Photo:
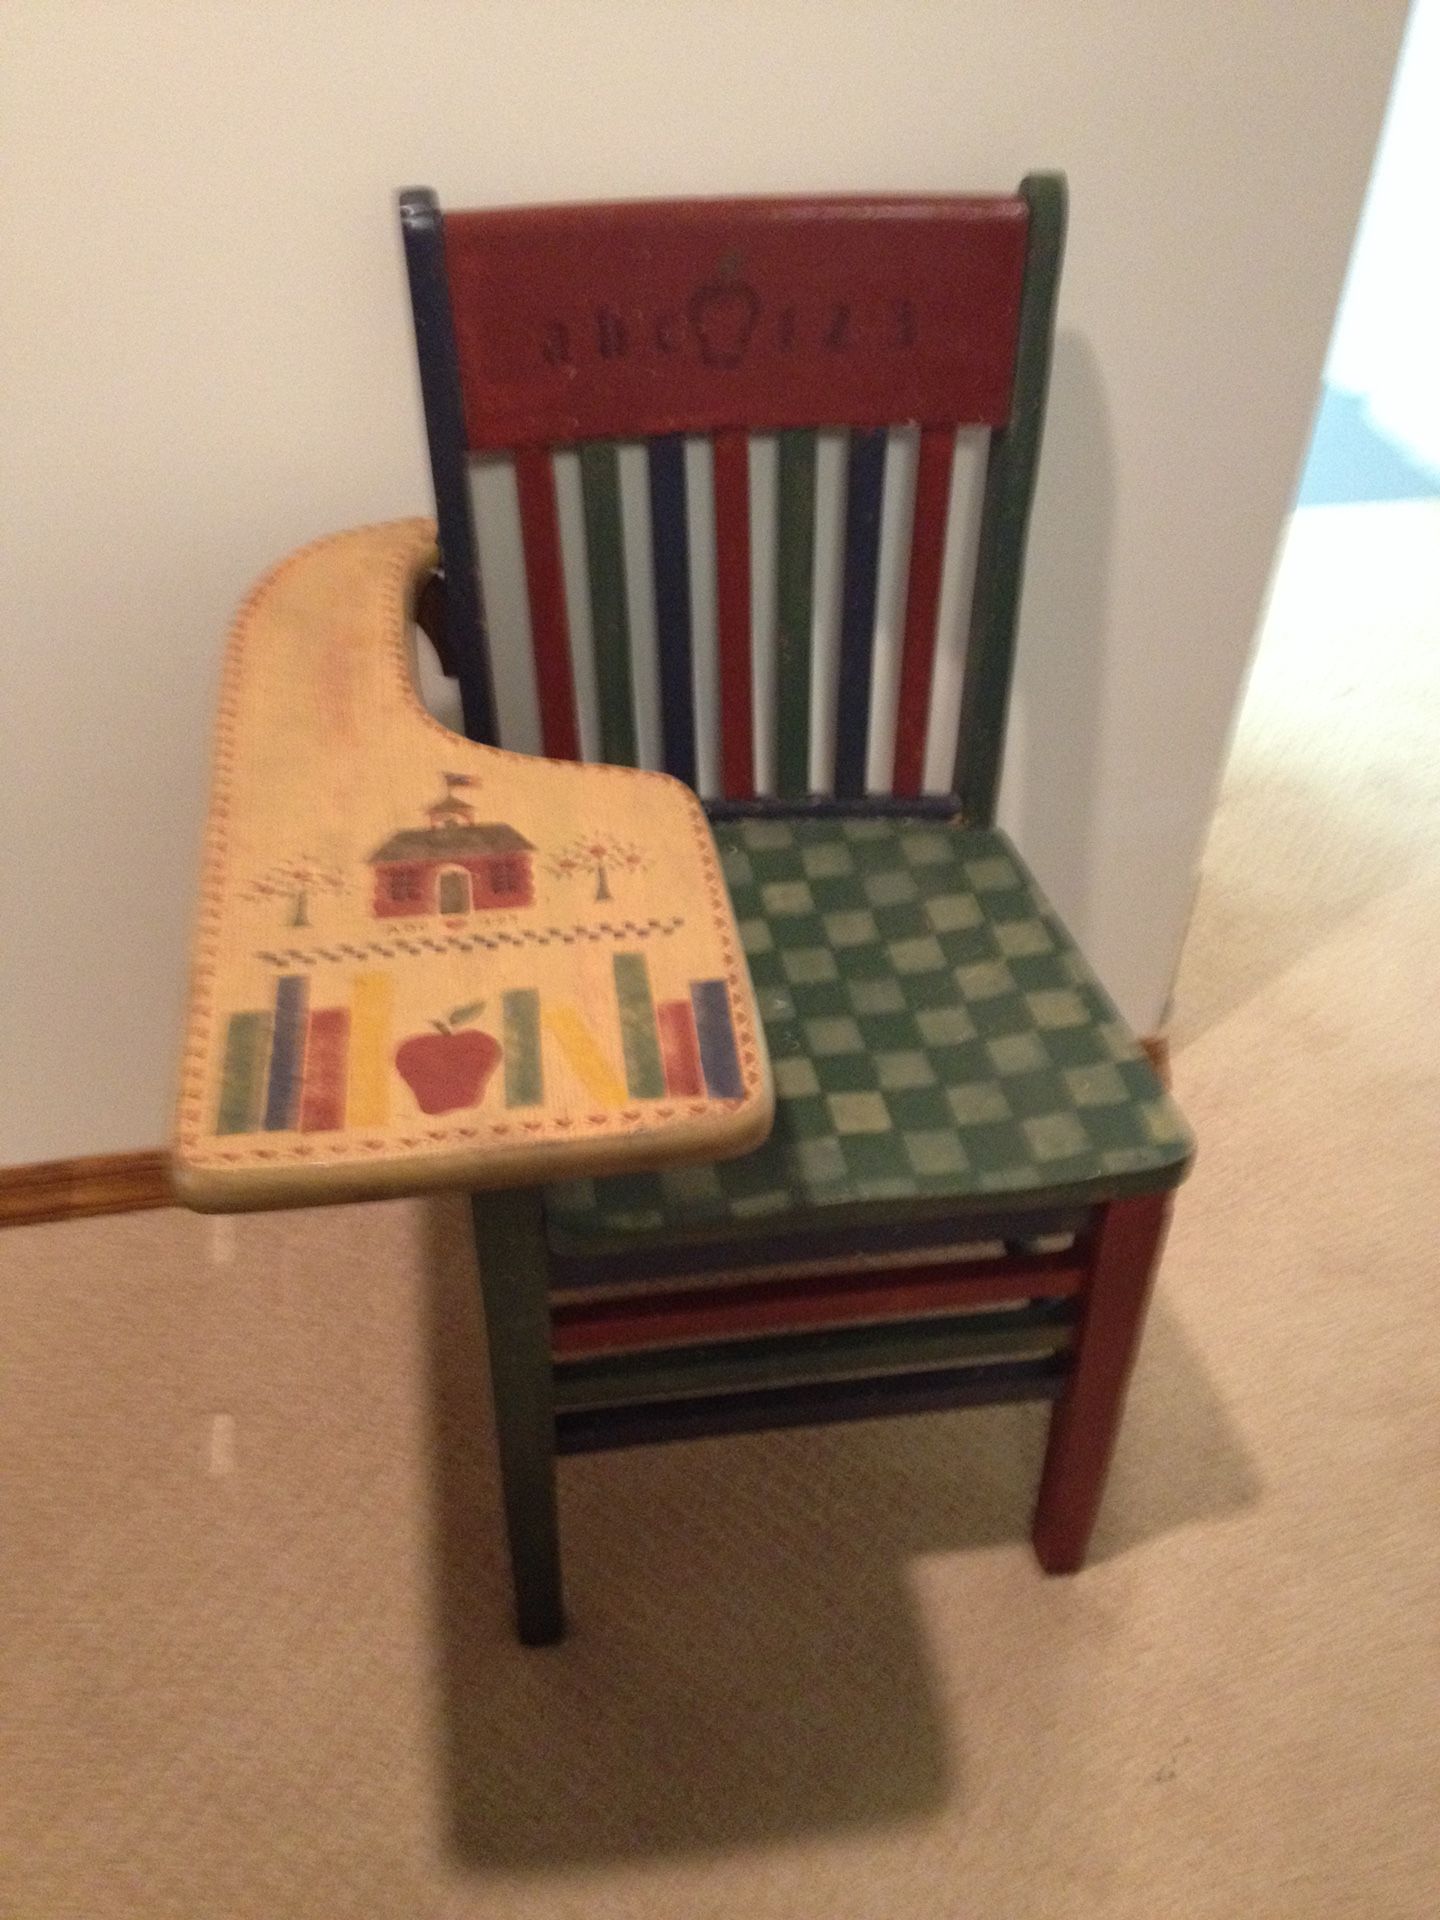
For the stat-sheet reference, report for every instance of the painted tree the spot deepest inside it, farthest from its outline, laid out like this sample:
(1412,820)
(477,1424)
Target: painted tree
(601,855)
(296,881)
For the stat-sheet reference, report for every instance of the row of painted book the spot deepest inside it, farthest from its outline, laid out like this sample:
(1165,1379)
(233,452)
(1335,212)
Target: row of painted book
(316,1069)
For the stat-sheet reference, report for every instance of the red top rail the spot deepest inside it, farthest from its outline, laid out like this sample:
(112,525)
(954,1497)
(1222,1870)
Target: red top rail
(653,317)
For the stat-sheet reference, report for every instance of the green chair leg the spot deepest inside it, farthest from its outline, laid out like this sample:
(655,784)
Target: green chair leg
(514,1284)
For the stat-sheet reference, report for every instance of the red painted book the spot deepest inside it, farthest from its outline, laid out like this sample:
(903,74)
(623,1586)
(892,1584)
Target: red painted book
(322,1101)
(679,1047)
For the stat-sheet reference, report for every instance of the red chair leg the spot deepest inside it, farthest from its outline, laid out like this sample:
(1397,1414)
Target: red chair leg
(1087,1415)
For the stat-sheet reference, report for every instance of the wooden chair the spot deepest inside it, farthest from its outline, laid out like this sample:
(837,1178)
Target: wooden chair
(965,1188)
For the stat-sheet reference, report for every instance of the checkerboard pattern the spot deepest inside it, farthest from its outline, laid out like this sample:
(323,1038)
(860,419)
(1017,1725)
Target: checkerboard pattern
(933,1032)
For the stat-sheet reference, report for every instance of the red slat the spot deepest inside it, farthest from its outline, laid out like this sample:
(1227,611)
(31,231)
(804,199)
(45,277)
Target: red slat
(922,605)
(680,1047)
(818,1300)
(732,614)
(622,321)
(549,621)
(322,1100)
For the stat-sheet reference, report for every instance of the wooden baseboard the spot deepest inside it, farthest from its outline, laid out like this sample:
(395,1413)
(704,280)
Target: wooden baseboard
(127,1182)
(70,1189)
(1157,1051)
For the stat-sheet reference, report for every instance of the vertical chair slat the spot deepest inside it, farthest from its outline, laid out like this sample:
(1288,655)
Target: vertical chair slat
(549,621)
(609,613)
(420,223)
(935,464)
(670,546)
(795,607)
(732,613)
(864,489)
(1005,515)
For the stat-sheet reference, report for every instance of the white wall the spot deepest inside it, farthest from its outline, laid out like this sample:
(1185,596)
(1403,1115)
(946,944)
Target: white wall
(207,361)
(1389,321)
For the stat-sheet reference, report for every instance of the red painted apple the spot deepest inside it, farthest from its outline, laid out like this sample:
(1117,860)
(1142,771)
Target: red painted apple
(447,1069)
(723,314)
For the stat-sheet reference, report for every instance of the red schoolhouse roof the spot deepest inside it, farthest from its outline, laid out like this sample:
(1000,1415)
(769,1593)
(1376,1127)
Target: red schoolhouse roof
(452,843)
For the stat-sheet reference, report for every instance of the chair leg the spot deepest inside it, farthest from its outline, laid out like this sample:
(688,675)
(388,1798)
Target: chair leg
(1087,1415)
(514,1285)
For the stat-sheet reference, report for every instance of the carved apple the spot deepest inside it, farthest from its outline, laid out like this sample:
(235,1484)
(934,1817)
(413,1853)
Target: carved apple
(449,1068)
(723,315)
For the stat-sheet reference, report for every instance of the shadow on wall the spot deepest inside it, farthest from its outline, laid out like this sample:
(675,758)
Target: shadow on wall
(1052,794)
(747,1662)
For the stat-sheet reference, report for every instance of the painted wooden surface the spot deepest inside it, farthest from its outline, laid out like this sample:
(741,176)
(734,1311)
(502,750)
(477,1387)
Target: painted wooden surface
(934,465)
(832,1353)
(468,642)
(790,1305)
(1010,476)
(670,549)
(425,963)
(948,1071)
(651,317)
(545,592)
(794,610)
(864,492)
(732,614)
(646,321)
(906,1229)
(609,607)
(1086,1421)
(813,1403)
(936,1037)
(510,1257)
(73,1189)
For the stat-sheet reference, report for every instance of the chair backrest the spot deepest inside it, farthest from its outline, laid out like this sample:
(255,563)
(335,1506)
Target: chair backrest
(585,326)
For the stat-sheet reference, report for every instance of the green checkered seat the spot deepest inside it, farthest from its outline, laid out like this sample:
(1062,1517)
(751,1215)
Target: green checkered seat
(936,1040)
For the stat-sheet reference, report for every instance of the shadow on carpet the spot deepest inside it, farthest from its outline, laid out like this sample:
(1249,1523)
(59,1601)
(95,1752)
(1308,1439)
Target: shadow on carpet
(747,1660)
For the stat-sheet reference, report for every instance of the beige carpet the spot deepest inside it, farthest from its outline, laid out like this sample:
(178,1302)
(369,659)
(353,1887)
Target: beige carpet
(253,1619)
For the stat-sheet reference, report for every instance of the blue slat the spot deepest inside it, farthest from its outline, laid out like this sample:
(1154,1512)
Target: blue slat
(811,1405)
(828,806)
(465,628)
(864,488)
(718,1058)
(670,543)
(287,1056)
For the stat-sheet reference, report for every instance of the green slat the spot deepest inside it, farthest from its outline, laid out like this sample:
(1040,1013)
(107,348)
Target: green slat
(524,1074)
(675,1373)
(609,611)
(795,602)
(644,1073)
(1005,514)
(242,1077)
(510,1254)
